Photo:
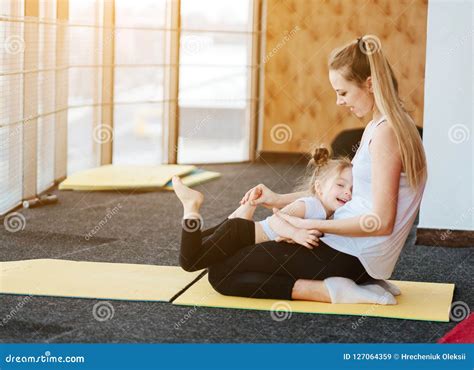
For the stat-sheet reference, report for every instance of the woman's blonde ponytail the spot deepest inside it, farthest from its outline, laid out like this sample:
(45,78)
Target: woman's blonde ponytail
(364,58)
(388,103)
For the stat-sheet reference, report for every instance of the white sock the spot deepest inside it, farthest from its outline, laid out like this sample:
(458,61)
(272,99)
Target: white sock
(385,294)
(343,290)
(392,288)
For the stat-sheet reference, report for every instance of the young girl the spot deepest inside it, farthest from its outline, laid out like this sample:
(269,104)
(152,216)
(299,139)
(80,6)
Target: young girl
(330,187)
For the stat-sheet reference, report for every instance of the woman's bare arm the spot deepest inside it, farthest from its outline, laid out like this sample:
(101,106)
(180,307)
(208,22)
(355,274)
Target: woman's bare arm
(283,228)
(386,169)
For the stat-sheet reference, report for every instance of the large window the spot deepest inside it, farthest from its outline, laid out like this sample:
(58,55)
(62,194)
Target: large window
(11,107)
(214,92)
(90,82)
(85,82)
(138,74)
(46,94)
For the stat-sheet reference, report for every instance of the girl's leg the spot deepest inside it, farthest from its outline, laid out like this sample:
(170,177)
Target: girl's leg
(191,199)
(211,230)
(245,211)
(284,271)
(221,241)
(197,253)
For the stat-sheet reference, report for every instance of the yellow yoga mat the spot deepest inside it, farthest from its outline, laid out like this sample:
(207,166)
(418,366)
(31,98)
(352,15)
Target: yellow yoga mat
(101,280)
(115,177)
(418,301)
(195,177)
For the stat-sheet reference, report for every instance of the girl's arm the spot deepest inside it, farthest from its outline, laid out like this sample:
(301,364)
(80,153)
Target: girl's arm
(288,231)
(286,199)
(282,227)
(386,169)
(308,238)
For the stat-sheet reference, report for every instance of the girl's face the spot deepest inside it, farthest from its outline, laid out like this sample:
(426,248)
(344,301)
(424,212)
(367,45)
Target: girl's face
(359,99)
(337,191)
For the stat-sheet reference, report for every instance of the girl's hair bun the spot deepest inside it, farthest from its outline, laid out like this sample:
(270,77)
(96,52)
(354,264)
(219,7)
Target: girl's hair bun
(320,157)
(322,168)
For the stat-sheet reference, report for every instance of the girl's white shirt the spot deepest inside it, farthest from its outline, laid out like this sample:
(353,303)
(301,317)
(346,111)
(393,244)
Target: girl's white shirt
(313,210)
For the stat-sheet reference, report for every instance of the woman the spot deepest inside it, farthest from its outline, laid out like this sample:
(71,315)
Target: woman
(366,235)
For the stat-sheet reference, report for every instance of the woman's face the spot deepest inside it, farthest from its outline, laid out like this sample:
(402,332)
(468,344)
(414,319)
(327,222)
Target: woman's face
(359,100)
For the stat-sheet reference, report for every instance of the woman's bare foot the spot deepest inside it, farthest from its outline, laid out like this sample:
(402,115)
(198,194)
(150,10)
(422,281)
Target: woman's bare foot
(191,199)
(244,211)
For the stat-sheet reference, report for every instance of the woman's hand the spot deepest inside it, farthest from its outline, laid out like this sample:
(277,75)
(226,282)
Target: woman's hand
(260,195)
(308,238)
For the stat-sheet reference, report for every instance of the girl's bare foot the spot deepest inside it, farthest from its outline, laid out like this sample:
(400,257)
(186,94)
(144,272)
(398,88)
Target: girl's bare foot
(191,199)
(244,211)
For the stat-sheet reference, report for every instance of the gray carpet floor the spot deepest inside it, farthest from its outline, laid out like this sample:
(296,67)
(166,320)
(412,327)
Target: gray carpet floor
(146,230)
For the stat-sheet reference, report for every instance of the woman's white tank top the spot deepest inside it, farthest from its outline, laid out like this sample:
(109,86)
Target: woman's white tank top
(378,254)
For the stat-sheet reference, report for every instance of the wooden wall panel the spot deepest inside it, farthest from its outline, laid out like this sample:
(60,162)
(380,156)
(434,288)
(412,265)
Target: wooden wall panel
(299,103)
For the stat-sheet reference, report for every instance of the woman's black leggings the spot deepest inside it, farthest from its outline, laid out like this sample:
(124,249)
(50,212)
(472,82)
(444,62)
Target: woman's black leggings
(239,267)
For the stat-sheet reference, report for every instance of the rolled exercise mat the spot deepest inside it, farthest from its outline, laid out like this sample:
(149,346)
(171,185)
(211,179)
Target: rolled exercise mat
(101,280)
(116,177)
(418,301)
